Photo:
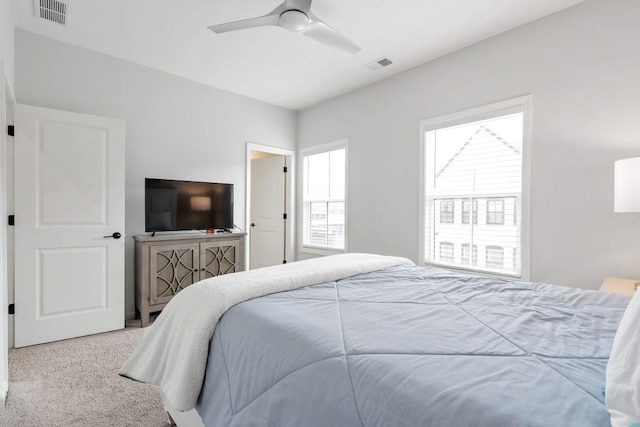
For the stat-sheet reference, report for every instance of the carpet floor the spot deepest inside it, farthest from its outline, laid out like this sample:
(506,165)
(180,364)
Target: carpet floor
(76,383)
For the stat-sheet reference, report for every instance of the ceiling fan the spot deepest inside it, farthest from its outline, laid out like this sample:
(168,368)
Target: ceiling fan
(296,16)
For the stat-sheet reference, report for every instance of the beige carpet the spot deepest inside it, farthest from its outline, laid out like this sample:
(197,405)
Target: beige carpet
(76,383)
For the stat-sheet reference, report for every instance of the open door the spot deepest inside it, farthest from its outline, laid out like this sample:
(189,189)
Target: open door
(69,225)
(268,206)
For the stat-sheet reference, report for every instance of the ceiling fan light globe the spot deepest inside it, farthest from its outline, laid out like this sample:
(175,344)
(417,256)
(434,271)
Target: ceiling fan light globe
(294,20)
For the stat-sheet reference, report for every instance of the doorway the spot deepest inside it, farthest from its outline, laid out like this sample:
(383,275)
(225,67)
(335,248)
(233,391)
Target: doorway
(269,215)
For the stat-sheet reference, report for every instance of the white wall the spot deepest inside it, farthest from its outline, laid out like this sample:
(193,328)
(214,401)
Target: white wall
(583,69)
(6,40)
(175,128)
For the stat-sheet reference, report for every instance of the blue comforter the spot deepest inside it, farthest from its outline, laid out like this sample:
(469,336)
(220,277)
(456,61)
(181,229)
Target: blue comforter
(411,346)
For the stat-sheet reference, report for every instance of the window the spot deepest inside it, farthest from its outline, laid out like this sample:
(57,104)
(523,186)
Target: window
(469,253)
(475,158)
(446,251)
(475,211)
(495,257)
(466,211)
(465,253)
(323,198)
(446,211)
(467,206)
(495,211)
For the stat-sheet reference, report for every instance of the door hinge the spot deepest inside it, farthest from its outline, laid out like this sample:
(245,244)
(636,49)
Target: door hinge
(284,216)
(284,261)
(11,130)
(12,308)
(285,169)
(12,220)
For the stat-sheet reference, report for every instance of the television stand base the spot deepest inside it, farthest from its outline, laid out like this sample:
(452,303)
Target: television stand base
(166,264)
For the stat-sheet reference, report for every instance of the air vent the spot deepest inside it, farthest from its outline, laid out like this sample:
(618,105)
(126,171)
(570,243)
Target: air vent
(379,63)
(52,10)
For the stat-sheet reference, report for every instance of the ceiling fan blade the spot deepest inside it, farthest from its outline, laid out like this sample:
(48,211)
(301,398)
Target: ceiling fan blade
(260,21)
(301,5)
(323,33)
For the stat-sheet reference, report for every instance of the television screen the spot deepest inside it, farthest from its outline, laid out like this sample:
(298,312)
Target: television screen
(187,205)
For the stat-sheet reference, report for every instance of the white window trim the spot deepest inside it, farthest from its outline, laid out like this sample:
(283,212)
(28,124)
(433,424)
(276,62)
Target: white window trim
(309,151)
(478,113)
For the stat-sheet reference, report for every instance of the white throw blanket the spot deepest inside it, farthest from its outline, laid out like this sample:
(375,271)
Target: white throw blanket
(173,353)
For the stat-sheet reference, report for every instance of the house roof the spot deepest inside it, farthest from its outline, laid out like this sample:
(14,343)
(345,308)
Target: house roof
(481,129)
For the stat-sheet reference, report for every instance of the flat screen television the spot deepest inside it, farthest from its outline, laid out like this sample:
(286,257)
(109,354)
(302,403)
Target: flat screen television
(187,205)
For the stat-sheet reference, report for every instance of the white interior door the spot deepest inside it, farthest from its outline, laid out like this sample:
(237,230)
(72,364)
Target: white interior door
(69,225)
(267,232)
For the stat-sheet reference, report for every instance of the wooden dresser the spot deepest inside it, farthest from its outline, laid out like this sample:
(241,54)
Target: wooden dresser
(169,263)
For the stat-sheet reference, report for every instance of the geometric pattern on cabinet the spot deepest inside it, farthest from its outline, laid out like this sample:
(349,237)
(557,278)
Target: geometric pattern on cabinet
(165,265)
(218,258)
(172,270)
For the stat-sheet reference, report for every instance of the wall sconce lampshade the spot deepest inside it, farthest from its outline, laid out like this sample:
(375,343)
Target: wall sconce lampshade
(201,203)
(627,185)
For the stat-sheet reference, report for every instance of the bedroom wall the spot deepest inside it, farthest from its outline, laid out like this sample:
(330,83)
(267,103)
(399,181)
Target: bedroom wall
(581,67)
(175,128)
(7,29)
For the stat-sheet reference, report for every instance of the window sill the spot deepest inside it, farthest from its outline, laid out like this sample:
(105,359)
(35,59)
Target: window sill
(472,271)
(321,251)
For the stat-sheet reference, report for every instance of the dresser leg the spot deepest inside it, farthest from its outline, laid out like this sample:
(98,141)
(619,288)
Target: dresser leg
(144,318)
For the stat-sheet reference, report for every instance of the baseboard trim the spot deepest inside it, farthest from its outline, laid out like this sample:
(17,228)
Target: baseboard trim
(130,315)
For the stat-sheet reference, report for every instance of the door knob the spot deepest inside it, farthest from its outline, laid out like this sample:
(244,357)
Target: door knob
(115,235)
(252,224)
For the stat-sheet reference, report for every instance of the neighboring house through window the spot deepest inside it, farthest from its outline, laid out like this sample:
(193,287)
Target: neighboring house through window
(447,211)
(465,254)
(446,252)
(466,211)
(495,257)
(469,254)
(495,211)
(323,197)
(474,159)
(474,203)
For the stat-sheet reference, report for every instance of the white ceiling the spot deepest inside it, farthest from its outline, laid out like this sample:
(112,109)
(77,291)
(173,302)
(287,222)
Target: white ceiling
(272,64)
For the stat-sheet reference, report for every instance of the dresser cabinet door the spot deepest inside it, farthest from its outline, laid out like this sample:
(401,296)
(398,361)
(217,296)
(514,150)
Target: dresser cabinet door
(219,257)
(172,268)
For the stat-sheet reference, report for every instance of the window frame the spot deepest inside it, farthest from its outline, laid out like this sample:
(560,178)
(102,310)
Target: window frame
(522,103)
(309,151)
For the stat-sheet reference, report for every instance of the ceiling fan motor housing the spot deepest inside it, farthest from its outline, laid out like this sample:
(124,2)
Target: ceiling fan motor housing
(294,20)
(295,16)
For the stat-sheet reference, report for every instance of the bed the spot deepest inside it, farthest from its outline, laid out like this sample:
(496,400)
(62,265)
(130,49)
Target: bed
(404,346)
